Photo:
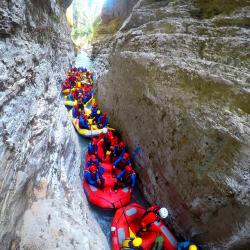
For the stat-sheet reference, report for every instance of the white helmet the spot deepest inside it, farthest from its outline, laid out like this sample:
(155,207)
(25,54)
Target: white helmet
(105,130)
(163,212)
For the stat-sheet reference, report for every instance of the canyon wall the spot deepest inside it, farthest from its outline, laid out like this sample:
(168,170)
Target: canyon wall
(175,80)
(42,205)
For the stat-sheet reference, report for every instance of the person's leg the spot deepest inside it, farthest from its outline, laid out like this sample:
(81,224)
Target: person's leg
(102,182)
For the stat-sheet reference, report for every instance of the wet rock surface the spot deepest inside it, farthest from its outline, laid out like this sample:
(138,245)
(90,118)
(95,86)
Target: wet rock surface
(42,204)
(175,80)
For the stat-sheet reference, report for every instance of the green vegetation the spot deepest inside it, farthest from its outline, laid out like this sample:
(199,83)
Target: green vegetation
(84,19)
(54,18)
(107,29)
(82,31)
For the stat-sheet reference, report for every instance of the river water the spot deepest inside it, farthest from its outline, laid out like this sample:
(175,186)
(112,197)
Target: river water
(103,217)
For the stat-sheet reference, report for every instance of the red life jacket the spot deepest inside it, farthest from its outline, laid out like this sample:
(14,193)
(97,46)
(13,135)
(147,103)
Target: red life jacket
(114,141)
(150,216)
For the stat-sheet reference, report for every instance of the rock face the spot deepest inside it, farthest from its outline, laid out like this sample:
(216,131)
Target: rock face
(175,80)
(41,200)
(116,9)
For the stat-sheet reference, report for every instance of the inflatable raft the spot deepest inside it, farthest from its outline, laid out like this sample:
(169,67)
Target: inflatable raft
(94,131)
(86,82)
(128,218)
(70,103)
(107,198)
(66,91)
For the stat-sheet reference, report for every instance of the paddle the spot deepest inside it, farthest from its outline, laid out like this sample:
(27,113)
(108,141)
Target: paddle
(131,233)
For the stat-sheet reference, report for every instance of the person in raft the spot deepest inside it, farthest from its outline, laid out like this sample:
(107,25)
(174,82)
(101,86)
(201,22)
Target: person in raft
(102,121)
(154,213)
(97,116)
(186,245)
(119,150)
(70,97)
(121,162)
(87,96)
(80,104)
(92,161)
(83,122)
(132,243)
(94,110)
(66,85)
(75,111)
(107,142)
(92,147)
(93,176)
(126,178)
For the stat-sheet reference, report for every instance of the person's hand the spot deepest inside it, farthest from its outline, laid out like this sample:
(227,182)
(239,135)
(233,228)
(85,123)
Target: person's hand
(113,166)
(98,182)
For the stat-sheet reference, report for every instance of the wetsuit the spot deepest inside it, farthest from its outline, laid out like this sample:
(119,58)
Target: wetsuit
(127,179)
(83,123)
(92,149)
(121,162)
(75,112)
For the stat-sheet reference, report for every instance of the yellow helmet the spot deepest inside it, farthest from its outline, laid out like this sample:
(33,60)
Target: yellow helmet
(192,247)
(98,112)
(137,242)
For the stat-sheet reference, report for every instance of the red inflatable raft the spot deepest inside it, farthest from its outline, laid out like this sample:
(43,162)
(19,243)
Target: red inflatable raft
(107,197)
(129,217)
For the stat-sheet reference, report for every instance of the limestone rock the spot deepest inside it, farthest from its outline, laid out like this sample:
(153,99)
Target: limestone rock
(42,205)
(175,80)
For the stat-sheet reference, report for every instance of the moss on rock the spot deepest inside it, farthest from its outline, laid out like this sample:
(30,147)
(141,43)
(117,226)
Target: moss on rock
(209,9)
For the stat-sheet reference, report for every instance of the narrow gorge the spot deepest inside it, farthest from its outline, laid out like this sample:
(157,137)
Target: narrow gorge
(174,78)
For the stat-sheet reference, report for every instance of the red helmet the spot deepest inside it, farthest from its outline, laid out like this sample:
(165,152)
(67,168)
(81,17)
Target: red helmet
(128,169)
(85,116)
(126,155)
(92,157)
(122,144)
(75,106)
(92,168)
(94,140)
(104,114)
